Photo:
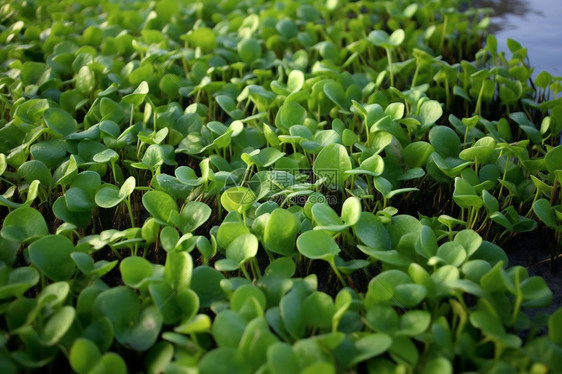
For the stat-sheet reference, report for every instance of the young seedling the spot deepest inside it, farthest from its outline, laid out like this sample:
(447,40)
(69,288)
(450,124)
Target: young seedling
(381,39)
(319,245)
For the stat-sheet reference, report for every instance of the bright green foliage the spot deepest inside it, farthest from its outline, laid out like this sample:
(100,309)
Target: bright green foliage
(280,187)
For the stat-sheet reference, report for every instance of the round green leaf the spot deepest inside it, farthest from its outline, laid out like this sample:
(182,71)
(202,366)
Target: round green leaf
(470,240)
(137,97)
(249,50)
(241,249)
(85,80)
(334,91)
(295,81)
(319,309)
(415,154)
(62,212)
(161,206)
(414,322)
(134,270)
(23,225)
(169,238)
(142,335)
(224,360)
(332,163)
(159,356)
(430,112)
(281,359)
(371,231)
(110,363)
(204,38)
(445,141)
(280,232)
(291,309)
(107,155)
(34,169)
(326,217)
(84,355)
(193,215)
(351,210)
(58,325)
(51,255)
(382,318)
(237,199)
(18,281)
(100,332)
(287,28)
(438,365)
(370,346)
(451,253)
(290,114)
(544,212)
(78,200)
(178,269)
(205,281)
(317,244)
(120,305)
(60,121)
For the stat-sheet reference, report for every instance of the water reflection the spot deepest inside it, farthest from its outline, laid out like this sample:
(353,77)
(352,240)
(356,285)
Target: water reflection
(533,23)
(504,9)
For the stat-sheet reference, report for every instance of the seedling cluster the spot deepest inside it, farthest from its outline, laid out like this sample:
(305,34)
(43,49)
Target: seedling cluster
(253,186)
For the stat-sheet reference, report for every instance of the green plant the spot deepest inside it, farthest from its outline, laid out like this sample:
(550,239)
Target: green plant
(226,186)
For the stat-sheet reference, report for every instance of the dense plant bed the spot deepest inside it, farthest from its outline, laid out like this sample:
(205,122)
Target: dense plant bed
(275,187)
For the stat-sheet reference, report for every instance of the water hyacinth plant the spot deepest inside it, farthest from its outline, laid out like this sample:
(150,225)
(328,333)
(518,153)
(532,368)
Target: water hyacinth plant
(273,187)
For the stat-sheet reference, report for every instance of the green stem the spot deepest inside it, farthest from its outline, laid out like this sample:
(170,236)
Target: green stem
(479,101)
(255,268)
(416,72)
(389,58)
(368,131)
(503,176)
(131,117)
(518,298)
(442,42)
(130,210)
(447,93)
(336,271)
(243,268)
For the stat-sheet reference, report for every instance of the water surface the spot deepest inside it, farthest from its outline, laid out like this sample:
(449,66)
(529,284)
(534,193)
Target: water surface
(535,24)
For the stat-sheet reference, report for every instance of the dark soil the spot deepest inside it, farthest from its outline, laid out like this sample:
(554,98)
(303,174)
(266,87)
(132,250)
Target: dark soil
(537,252)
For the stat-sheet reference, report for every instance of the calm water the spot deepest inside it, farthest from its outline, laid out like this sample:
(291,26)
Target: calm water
(536,24)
